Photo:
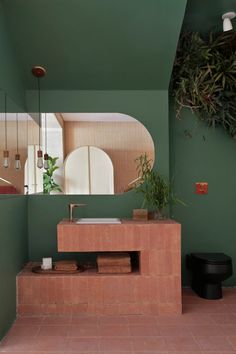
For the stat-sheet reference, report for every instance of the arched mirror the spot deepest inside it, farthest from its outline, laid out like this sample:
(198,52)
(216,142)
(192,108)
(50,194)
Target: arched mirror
(120,137)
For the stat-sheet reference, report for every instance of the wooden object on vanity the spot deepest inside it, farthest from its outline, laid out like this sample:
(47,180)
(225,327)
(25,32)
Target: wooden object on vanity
(140,214)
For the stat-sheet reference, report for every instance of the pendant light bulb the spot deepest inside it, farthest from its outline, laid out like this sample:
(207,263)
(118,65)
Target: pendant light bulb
(6,160)
(17,162)
(39,72)
(45,164)
(39,159)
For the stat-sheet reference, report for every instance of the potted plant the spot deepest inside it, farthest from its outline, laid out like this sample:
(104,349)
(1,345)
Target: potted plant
(156,189)
(49,185)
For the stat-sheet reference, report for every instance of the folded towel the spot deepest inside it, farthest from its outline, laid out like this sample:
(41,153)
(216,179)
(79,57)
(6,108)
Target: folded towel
(114,269)
(66,265)
(65,268)
(114,259)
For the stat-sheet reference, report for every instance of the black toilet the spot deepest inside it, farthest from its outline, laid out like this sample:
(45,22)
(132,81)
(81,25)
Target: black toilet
(208,271)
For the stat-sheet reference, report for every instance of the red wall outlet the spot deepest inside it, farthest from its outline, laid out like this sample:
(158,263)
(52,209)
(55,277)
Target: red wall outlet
(201,187)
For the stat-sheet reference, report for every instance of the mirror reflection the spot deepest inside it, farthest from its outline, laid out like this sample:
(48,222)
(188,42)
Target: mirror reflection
(89,153)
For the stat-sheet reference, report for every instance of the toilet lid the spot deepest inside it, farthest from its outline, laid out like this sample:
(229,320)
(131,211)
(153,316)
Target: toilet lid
(212,258)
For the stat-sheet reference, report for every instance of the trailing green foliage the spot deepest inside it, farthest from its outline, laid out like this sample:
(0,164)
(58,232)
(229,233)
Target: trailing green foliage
(49,184)
(156,190)
(204,78)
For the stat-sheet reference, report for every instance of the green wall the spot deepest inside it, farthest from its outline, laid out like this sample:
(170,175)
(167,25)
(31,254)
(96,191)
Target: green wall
(13,211)
(150,107)
(10,77)
(208,221)
(13,254)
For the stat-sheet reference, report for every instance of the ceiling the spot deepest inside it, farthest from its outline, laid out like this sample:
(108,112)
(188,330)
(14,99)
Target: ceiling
(96,44)
(97,117)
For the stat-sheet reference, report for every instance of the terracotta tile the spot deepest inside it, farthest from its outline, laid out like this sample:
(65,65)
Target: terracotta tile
(232,341)
(17,343)
(82,344)
(111,345)
(227,318)
(46,352)
(181,344)
(215,352)
(10,352)
(30,321)
(173,331)
(132,309)
(53,331)
(150,352)
(144,330)
(215,343)
(50,344)
(84,319)
(231,307)
(113,330)
(83,331)
(170,309)
(56,320)
(144,262)
(141,320)
(228,329)
(202,330)
(117,320)
(24,330)
(149,344)
(206,308)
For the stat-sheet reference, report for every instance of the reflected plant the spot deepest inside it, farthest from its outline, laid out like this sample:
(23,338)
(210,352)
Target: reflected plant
(49,185)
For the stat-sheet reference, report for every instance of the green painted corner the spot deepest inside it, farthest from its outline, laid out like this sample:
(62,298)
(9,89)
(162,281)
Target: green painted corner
(208,221)
(13,255)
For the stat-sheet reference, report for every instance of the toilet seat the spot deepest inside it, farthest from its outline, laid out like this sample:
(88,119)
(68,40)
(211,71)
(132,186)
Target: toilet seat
(212,258)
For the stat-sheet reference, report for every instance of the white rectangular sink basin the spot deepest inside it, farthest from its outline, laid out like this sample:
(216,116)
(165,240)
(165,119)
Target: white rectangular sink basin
(98,221)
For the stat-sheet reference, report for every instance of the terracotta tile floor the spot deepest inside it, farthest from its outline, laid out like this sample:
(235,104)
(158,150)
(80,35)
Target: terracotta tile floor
(205,327)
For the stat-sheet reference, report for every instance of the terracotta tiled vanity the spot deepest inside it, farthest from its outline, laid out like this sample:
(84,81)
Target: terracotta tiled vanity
(153,288)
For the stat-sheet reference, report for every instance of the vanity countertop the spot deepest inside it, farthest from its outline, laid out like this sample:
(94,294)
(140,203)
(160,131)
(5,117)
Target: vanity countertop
(65,222)
(130,235)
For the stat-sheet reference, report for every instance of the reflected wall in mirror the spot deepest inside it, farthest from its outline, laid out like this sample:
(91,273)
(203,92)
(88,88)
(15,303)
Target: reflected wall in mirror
(12,181)
(120,136)
(82,144)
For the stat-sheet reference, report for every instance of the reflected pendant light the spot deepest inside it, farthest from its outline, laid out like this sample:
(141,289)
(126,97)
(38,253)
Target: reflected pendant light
(6,160)
(39,72)
(17,155)
(45,156)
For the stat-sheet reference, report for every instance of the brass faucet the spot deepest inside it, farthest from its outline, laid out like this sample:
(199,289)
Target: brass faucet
(71,208)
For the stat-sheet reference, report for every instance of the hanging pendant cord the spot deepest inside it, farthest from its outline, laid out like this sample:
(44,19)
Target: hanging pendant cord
(46,133)
(5,121)
(39,114)
(17,130)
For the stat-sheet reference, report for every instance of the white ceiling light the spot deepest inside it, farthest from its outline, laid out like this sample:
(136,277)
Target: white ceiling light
(227,17)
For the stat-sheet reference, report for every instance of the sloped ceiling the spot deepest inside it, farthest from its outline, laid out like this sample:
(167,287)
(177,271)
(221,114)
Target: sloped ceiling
(96,44)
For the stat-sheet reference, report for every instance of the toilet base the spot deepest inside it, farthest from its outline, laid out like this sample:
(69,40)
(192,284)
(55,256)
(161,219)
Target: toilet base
(207,290)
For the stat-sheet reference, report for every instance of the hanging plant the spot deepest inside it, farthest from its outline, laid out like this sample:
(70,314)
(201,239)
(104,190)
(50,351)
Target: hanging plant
(204,78)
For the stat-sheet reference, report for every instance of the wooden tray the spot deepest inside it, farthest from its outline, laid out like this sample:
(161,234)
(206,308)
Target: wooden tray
(39,270)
